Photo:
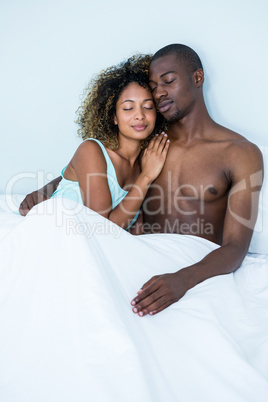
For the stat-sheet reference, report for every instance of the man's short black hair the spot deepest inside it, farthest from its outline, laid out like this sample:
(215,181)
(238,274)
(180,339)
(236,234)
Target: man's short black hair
(184,54)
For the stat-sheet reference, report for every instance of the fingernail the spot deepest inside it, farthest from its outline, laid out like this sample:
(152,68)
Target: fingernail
(168,140)
(140,313)
(135,310)
(165,135)
(163,132)
(133,303)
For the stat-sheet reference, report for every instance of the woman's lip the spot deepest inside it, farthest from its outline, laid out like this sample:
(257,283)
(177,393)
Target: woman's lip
(164,106)
(139,128)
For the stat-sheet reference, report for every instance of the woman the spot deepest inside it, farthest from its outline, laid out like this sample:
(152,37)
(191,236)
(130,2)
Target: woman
(118,116)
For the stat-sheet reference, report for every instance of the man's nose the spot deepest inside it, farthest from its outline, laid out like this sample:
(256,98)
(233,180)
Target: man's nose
(159,92)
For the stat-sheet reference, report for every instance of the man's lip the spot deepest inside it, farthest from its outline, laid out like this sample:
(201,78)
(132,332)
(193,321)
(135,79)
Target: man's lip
(164,106)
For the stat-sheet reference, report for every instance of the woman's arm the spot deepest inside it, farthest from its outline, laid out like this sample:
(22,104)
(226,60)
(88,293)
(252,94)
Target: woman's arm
(90,168)
(137,228)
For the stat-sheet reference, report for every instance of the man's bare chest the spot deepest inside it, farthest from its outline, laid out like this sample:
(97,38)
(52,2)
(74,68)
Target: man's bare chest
(192,176)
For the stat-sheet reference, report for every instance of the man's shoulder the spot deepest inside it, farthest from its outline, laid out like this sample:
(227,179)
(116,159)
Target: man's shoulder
(237,144)
(239,154)
(241,146)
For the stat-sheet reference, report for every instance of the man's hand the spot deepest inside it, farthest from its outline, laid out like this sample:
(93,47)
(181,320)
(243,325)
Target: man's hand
(31,200)
(38,196)
(160,292)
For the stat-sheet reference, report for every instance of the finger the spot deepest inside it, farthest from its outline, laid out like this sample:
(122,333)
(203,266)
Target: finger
(145,291)
(149,301)
(149,282)
(41,196)
(23,209)
(165,148)
(163,143)
(148,296)
(30,201)
(161,308)
(152,142)
(25,204)
(159,305)
(144,153)
(157,140)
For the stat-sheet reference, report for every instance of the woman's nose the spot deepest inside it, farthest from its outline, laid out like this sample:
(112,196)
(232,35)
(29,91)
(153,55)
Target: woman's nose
(140,114)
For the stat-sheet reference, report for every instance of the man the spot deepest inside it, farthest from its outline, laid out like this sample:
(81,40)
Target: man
(207,180)
(205,188)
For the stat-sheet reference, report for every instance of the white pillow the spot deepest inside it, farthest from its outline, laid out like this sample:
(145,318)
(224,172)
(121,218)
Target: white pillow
(259,241)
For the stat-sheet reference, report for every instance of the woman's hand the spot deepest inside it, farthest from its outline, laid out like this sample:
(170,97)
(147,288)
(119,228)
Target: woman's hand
(152,163)
(154,156)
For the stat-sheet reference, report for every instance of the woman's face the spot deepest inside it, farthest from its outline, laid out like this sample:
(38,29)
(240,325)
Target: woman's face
(135,112)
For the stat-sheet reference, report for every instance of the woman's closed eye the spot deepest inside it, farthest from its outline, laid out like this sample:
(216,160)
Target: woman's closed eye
(146,106)
(149,106)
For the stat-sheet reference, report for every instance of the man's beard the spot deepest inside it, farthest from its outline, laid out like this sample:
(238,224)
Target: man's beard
(176,116)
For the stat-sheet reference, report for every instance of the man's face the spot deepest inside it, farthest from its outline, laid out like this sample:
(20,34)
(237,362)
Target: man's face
(172,87)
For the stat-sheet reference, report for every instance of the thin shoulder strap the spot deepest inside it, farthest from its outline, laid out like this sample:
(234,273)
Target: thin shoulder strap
(110,165)
(111,173)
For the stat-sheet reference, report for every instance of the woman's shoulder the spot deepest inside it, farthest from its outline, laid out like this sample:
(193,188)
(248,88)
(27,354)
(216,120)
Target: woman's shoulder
(90,153)
(91,143)
(92,146)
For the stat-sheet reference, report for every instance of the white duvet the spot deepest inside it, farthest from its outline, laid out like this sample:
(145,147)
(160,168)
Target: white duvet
(67,331)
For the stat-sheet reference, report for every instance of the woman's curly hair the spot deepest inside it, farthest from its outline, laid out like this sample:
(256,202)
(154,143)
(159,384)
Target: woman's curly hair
(96,114)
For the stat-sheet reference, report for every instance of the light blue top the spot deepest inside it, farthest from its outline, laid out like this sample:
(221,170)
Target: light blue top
(71,190)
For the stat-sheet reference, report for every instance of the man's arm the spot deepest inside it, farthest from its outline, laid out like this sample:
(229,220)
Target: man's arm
(38,196)
(246,176)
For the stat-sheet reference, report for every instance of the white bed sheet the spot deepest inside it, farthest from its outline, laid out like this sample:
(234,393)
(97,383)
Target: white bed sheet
(68,333)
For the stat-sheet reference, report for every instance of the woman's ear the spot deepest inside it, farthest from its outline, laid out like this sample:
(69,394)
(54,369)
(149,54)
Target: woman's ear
(115,120)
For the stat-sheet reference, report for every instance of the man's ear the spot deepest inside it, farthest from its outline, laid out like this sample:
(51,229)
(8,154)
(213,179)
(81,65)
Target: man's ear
(199,77)
(115,120)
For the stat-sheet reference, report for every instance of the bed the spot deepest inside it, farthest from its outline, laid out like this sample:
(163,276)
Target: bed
(67,332)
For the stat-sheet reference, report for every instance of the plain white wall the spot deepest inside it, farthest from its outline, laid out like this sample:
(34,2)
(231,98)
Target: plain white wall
(51,48)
